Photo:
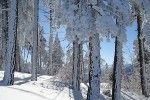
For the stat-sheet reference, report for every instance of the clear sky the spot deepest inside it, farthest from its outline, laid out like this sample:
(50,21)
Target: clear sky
(107,48)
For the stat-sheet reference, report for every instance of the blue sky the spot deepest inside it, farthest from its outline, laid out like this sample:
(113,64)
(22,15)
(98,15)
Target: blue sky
(107,48)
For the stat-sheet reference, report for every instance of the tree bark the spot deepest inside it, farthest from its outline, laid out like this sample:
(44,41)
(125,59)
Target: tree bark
(4,29)
(35,42)
(81,62)
(50,62)
(10,51)
(94,70)
(117,76)
(76,65)
(94,57)
(17,48)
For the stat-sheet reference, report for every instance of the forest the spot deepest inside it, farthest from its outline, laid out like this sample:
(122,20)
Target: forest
(54,50)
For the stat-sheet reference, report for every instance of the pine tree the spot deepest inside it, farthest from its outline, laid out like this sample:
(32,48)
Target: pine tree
(138,8)
(57,55)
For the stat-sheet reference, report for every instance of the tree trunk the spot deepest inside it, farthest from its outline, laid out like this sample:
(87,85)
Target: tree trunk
(81,62)
(141,58)
(17,57)
(117,76)
(94,57)
(50,63)
(76,65)
(35,43)
(1,54)
(10,52)
(4,28)
(40,63)
(94,70)
(17,48)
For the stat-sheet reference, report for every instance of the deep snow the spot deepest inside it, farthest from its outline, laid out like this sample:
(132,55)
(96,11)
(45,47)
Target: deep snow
(49,88)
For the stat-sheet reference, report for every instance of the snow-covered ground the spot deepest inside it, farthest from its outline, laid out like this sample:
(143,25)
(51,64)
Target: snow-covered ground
(48,88)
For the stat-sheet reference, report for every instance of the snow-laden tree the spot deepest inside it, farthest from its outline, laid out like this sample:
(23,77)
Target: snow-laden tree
(25,28)
(57,54)
(54,11)
(35,41)
(141,7)
(25,21)
(121,11)
(54,17)
(11,43)
(105,26)
(146,44)
(146,22)
(78,13)
(73,33)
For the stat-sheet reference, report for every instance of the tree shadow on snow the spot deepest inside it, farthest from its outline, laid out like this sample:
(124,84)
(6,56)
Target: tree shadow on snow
(19,81)
(77,95)
(22,81)
(1,83)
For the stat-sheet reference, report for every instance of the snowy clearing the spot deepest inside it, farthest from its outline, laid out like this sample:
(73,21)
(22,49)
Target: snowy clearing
(48,88)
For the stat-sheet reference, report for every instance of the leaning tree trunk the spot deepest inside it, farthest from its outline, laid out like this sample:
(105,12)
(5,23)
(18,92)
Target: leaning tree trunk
(117,76)
(10,52)
(35,42)
(144,83)
(94,70)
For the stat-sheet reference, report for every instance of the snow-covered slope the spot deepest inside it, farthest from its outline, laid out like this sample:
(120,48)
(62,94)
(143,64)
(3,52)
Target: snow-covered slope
(46,88)
(49,88)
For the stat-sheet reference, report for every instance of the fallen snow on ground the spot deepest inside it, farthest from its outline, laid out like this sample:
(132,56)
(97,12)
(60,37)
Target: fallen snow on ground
(46,88)
(49,88)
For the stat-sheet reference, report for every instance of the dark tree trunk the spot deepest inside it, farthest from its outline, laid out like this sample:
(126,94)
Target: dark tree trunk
(117,69)
(141,57)
(17,48)
(76,65)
